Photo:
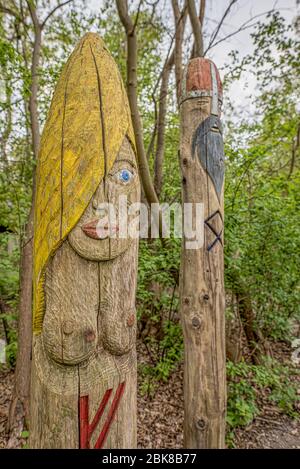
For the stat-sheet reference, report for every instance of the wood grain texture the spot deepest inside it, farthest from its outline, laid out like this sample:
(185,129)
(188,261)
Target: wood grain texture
(87,347)
(85,321)
(87,121)
(202,284)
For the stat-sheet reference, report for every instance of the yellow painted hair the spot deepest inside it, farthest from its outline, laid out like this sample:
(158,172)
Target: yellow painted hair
(88,119)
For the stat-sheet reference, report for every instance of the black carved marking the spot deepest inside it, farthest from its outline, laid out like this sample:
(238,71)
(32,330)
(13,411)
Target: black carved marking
(208,142)
(218,235)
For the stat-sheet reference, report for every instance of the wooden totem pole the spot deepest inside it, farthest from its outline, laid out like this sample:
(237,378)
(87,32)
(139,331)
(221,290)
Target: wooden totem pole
(202,282)
(83,385)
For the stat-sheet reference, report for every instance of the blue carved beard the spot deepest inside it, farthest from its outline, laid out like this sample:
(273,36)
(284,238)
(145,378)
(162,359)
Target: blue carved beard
(208,142)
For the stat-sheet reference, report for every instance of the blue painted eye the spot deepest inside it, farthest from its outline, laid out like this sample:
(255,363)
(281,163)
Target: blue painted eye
(125,176)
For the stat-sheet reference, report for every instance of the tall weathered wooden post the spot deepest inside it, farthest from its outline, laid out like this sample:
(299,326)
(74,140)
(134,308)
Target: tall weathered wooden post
(83,387)
(202,283)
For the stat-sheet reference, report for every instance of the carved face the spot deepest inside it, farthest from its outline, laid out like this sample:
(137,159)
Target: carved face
(84,312)
(208,142)
(97,236)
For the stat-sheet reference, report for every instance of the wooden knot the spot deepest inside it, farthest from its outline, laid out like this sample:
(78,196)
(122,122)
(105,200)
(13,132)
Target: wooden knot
(206,297)
(196,323)
(201,424)
(186,301)
(67,327)
(89,335)
(130,320)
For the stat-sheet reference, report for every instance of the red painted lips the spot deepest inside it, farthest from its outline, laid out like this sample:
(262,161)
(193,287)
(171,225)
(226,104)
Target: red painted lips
(99,229)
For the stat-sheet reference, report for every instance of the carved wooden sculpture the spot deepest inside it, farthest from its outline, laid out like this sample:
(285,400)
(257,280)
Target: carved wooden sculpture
(83,388)
(202,283)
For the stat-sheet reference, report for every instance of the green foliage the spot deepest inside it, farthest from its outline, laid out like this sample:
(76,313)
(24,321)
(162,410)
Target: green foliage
(16,158)
(9,273)
(157,302)
(261,196)
(248,383)
(157,265)
(163,367)
(170,351)
(9,283)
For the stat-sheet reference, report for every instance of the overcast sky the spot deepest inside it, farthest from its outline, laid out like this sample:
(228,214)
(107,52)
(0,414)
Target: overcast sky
(242,11)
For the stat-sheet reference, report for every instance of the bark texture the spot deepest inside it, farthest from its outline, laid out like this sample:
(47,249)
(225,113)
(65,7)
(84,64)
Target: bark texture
(202,282)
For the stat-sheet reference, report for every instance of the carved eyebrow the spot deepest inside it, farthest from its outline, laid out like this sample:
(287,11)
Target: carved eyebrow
(126,160)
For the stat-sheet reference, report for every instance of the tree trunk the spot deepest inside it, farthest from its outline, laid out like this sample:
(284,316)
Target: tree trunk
(130,29)
(202,295)
(161,126)
(180,18)
(196,26)
(19,407)
(255,340)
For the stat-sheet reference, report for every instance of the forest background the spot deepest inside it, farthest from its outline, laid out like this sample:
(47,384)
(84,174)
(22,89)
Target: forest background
(256,47)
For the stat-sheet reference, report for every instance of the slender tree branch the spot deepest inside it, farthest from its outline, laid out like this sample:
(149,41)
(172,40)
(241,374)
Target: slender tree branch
(154,132)
(196,27)
(144,171)
(152,140)
(161,124)
(53,11)
(163,101)
(4,310)
(216,32)
(246,25)
(33,100)
(295,147)
(182,17)
(137,14)
(132,96)
(179,31)
(122,7)
(202,11)
(201,18)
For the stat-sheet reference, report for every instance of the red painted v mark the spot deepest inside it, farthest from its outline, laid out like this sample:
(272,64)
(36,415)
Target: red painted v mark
(87,429)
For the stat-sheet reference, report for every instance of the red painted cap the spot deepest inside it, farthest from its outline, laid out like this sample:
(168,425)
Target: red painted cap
(201,78)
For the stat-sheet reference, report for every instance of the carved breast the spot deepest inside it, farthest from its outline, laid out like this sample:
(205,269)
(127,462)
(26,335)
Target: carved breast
(72,298)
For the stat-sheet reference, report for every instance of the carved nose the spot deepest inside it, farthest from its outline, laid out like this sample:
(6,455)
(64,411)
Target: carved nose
(99,198)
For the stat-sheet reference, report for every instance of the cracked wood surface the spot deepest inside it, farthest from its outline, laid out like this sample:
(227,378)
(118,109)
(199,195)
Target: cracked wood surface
(85,273)
(201,281)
